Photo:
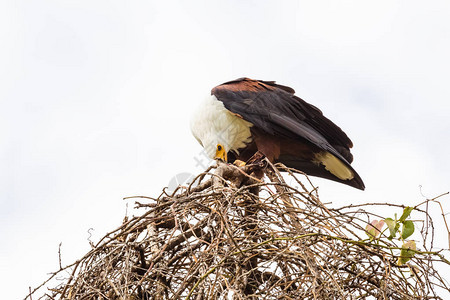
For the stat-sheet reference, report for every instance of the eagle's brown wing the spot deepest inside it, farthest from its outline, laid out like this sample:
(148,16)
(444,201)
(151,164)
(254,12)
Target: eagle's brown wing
(274,109)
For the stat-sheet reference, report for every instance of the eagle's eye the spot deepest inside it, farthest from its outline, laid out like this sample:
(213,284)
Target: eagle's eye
(219,147)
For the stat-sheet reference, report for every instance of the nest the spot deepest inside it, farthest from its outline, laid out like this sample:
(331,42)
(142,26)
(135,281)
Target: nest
(234,236)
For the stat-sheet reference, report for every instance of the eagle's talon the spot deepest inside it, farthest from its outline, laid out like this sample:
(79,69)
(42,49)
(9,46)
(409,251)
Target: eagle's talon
(239,163)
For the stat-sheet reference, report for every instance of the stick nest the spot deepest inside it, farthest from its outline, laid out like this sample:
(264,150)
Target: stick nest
(232,236)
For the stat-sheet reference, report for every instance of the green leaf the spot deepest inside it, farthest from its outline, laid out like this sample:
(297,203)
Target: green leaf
(407,229)
(407,252)
(406,212)
(393,227)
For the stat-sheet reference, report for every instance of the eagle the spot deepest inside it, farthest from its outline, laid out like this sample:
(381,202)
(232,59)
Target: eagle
(246,116)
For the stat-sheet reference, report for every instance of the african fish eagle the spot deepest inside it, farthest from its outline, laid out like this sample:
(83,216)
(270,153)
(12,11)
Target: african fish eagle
(244,116)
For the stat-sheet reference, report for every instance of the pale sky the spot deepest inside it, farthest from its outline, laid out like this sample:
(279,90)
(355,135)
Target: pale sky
(96,98)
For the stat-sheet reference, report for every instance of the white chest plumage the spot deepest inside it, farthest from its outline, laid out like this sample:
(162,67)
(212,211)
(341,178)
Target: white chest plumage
(213,124)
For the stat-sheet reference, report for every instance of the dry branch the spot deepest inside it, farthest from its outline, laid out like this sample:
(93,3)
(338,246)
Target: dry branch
(234,236)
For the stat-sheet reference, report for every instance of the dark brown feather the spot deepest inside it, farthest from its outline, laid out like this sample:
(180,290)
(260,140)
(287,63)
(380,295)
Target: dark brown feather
(278,115)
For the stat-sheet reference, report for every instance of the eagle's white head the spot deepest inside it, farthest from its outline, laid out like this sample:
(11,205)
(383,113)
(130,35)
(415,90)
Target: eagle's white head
(218,130)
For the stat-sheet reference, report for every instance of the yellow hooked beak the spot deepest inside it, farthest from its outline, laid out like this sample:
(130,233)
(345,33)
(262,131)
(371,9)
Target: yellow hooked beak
(221,153)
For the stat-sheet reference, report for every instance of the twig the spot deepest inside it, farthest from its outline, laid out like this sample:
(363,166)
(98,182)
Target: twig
(233,235)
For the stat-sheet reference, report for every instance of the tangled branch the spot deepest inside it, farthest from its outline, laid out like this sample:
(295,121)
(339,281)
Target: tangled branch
(233,236)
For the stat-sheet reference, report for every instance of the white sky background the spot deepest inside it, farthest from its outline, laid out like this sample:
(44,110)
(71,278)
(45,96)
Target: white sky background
(96,98)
